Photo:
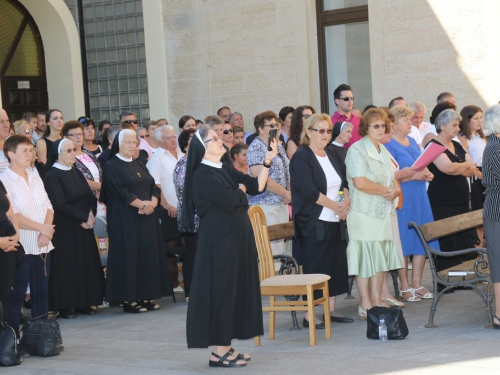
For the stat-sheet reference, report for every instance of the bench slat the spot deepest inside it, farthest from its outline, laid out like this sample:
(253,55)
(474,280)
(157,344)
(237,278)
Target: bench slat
(280,231)
(451,225)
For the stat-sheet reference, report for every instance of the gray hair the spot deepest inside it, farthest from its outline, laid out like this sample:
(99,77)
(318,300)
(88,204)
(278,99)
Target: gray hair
(418,106)
(445,117)
(213,120)
(204,130)
(232,114)
(491,119)
(112,132)
(441,97)
(159,132)
(126,113)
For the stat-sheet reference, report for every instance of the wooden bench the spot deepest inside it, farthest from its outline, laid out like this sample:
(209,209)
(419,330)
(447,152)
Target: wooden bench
(473,273)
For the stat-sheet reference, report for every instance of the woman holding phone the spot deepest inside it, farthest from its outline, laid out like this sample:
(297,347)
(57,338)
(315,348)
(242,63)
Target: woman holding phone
(275,199)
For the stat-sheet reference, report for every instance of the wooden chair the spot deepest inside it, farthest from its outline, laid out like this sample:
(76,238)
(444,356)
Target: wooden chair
(272,286)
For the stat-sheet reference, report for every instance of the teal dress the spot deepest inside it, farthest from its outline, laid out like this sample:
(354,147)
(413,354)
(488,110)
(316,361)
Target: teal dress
(371,248)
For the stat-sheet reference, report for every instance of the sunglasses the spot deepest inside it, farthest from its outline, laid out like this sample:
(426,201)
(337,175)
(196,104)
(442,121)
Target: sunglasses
(228,131)
(378,126)
(69,150)
(28,131)
(130,122)
(347,98)
(272,126)
(322,131)
(215,139)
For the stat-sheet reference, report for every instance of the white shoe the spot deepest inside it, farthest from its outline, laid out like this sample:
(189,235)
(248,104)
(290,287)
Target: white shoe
(179,289)
(187,299)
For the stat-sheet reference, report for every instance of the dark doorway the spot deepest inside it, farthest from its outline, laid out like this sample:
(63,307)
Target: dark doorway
(22,63)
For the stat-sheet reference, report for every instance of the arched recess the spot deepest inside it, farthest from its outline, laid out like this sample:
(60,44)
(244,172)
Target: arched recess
(62,55)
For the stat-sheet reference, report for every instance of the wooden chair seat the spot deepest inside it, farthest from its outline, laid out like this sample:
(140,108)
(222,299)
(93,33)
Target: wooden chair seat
(295,280)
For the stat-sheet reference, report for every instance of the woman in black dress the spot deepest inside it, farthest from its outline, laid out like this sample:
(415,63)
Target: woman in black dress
(225,301)
(52,133)
(449,190)
(76,279)
(137,264)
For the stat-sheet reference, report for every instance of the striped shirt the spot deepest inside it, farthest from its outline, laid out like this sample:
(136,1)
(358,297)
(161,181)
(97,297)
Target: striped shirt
(30,200)
(491,179)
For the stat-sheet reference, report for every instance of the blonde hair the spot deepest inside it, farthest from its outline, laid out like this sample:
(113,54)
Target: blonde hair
(400,111)
(20,125)
(311,121)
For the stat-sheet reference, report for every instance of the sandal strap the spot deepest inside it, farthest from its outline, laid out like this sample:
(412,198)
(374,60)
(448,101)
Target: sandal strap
(224,357)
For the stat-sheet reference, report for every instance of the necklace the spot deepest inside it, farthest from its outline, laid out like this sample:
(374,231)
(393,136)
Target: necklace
(405,142)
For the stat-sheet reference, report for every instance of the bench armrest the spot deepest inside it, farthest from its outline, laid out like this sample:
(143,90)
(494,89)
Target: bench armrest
(287,262)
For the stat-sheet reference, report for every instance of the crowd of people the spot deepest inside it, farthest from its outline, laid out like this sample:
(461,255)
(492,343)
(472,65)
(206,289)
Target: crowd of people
(347,182)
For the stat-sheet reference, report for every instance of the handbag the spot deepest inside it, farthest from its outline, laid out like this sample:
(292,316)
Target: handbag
(8,344)
(394,320)
(42,336)
(7,230)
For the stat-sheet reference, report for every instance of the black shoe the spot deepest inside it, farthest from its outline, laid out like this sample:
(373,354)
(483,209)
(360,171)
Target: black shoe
(305,323)
(441,288)
(67,314)
(341,319)
(27,304)
(465,287)
(86,311)
(23,353)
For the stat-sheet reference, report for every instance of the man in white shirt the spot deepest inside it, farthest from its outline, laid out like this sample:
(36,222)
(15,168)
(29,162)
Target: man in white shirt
(161,166)
(34,214)
(417,119)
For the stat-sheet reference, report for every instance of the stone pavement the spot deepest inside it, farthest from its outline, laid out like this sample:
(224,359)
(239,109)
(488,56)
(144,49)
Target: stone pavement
(112,342)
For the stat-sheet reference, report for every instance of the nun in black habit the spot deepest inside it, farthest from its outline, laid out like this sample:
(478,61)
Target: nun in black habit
(225,301)
(342,134)
(76,278)
(137,264)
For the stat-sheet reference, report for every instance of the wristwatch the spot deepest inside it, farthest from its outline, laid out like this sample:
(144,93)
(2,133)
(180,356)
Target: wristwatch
(268,165)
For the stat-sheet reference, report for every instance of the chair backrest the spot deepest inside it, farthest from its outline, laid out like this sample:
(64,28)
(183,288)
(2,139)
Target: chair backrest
(259,224)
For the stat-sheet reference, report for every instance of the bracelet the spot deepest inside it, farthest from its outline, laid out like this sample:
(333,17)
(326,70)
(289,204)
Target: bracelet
(268,165)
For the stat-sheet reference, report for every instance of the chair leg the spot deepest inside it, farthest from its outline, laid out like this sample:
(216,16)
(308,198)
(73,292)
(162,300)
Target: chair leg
(351,282)
(256,341)
(312,317)
(272,315)
(326,309)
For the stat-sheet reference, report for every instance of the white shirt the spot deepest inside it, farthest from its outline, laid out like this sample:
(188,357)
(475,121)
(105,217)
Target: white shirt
(476,149)
(144,145)
(161,166)
(415,134)
(31,201)
(4,163)
(333,183)
(426,127)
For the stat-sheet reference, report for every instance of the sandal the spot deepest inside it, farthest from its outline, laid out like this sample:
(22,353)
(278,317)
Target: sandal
(240,356)
(413,298)
(427,295)
(230,362)
(150,305)
(496,326)
(133,308)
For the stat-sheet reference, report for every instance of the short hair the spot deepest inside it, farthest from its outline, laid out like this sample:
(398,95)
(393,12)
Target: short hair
(391,103)
(221,108)
(12,142)
(232,114)
(111,133)
(285,111)
(126,126)
(198,122)
(159,131)
(213,120)
(400,111)
(41,113)
(103,123)
(468,112)
(389,114)
(46,133)
(441,97)
(237,129)
(373,114)
(147,124)
(260,118)
(238,148)
(311,121)
(491,119)
(162,119)
(204,130)
(440,108)
(184,119)
(338,91)
(418,106)
(184,138)
(70,125)
(126,113)
(368,107)
(18,126)
(29,115)
(445,117)
(296,125)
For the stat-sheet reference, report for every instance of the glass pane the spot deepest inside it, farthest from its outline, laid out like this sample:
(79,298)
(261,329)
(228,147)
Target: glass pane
(348,61)
(341,4)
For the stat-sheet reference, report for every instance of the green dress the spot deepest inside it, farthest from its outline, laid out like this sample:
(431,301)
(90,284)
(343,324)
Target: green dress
(371,248)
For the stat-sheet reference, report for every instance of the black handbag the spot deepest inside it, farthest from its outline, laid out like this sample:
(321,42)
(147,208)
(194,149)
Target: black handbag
(8,344)
(42,336)
(7,230)
(394,320)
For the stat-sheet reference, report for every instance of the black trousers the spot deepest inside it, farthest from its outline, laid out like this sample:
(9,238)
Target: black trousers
(7,272)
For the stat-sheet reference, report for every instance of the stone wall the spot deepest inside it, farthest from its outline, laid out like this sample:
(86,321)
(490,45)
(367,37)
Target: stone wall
(248,55)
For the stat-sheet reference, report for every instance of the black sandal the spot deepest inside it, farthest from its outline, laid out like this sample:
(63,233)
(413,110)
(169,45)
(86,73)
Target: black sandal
(133,308)
(150,305)
(220,362)
(496,326)
(240,356)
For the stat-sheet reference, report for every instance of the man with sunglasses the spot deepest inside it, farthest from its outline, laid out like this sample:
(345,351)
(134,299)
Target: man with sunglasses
(129,118)
(344,100)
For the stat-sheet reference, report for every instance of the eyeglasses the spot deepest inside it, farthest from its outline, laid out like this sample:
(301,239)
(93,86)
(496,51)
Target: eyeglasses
(215,139)
(378,126)
(76,135)
(228,131)
(130,122)
(69,150)
(306,116)
(322,131)
(272,126)
(28,131)
(347,98)
(144,136)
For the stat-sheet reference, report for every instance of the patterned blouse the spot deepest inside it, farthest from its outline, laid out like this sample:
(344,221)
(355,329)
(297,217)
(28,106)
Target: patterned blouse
(179,176)
(279,172)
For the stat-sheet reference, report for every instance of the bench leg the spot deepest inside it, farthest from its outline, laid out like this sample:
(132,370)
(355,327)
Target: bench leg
(435,301)
(351,282)
(394,275)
